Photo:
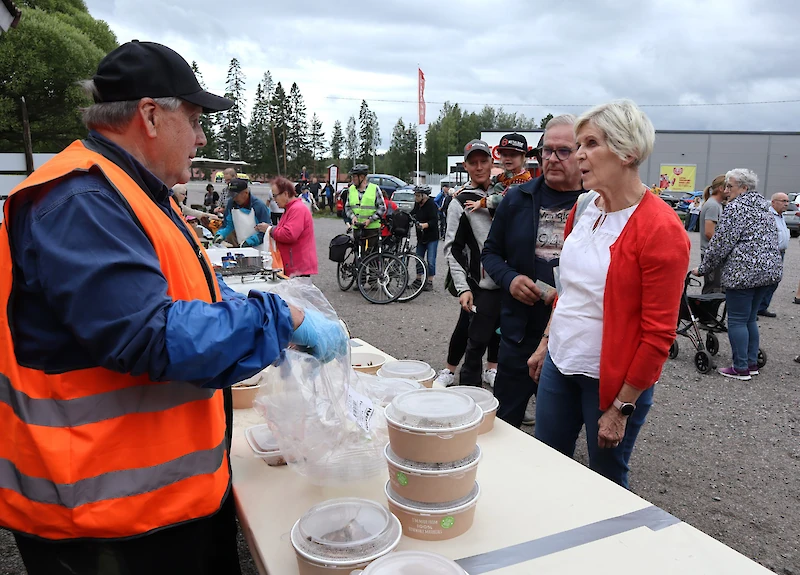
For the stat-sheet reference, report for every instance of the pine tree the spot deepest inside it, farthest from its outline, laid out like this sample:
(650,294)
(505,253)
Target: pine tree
(233,132)
(260,135)
(279,114)
(365,132)
(208,122)
(317,140)
(297,140)
(337,141)
(376,137)
(351,142)
(274,151)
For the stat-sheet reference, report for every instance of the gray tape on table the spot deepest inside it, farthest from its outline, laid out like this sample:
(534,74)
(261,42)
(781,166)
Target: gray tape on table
(651,517)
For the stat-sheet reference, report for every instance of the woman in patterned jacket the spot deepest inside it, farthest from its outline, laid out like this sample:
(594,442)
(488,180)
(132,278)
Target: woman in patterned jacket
(745,246)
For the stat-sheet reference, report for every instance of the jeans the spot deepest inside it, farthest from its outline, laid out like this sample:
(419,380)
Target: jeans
(565,403)
(742,307)
(427,252)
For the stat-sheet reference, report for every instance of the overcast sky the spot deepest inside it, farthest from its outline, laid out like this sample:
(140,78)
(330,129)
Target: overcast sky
(528,56)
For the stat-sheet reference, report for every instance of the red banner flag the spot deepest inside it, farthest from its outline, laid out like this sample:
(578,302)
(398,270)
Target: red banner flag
(421,83)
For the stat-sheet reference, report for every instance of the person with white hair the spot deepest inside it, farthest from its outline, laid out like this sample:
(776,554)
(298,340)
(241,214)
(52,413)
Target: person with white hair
(621,277)
(745,246)
(179,195)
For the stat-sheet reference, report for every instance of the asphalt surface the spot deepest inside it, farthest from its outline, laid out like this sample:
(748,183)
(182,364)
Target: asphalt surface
(721,455)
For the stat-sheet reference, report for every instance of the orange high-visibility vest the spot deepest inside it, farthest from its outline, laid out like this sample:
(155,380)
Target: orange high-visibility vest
(92,452)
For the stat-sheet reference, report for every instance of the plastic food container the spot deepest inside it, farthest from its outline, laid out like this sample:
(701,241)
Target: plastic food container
(434,521)
(264,444)
(366,361)
(386,389)
(409,369)
(244,392)
(432,482)
(341,535)
(487,402)
(433,425)
(412,563)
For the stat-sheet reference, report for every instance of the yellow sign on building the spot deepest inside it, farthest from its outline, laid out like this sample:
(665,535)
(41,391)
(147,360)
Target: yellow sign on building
(678,178)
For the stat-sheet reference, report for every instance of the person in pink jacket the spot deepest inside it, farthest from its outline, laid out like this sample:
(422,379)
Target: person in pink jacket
(294,234)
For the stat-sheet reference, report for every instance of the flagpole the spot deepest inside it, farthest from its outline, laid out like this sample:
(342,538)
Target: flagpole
(418,126)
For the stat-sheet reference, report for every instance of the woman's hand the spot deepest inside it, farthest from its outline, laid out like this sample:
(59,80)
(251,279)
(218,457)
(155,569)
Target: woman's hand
(611,428)
(262,227)
(536,361)
(696,272)
(465,299)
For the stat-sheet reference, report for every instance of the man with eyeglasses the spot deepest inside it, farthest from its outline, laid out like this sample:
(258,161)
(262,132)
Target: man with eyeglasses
(521,254)
(780,202)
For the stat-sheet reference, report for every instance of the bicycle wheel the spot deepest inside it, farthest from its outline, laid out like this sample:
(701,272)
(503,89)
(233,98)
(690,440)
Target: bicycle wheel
(413,263)
(345,274)
(382,278)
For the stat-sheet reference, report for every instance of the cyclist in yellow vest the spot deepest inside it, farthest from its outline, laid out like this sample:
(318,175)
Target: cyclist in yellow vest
(364,203)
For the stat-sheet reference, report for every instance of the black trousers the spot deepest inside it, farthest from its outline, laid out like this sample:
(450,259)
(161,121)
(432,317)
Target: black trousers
(458,342)
(513,386)
(482,326)
(203,547)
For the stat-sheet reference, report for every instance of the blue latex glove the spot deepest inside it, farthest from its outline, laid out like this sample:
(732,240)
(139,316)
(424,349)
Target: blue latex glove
(325,338)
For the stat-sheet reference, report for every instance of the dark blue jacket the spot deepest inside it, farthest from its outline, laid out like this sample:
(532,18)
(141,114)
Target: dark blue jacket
(88,291)
(510,250)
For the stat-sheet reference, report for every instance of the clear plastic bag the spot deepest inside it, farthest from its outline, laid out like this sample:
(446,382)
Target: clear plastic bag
(328,423)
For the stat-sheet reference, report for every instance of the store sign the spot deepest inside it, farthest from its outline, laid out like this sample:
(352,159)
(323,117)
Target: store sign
(677,178)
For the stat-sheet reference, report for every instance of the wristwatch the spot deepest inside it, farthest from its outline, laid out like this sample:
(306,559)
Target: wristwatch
(625,409)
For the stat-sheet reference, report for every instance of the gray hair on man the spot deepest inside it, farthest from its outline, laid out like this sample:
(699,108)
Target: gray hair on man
(744,177)
(629,133)
(115,116)
(561,120)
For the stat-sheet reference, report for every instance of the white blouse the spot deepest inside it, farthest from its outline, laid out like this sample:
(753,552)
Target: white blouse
(576,330)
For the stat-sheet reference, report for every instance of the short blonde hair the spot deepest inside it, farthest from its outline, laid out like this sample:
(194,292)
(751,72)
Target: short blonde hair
(629,133)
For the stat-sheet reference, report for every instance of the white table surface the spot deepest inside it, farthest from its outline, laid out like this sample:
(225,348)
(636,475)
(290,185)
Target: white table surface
(529,492)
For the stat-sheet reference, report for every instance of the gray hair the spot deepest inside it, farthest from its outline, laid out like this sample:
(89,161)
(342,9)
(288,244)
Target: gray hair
(560,120)
(744,177)
(114,116)
(629,133)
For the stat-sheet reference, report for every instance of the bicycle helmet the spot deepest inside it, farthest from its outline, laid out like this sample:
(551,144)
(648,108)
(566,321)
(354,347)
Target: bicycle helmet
(359,169)
(422,190)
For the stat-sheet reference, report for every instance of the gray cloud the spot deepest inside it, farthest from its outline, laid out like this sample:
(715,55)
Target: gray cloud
(514,52)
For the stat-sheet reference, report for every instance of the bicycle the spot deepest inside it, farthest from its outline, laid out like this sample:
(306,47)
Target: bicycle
(399,244)
(381,277)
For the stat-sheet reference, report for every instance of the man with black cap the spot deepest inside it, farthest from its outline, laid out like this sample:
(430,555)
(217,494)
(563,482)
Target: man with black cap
(521,254)
(242,214)
(478,295)
(115,337)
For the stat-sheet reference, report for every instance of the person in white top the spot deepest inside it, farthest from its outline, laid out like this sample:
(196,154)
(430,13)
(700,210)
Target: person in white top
(620,278)
(780,202)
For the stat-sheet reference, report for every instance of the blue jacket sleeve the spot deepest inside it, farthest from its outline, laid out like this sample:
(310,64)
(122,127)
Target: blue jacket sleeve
(493,256)
(228,294)
(227,222)
(101,276)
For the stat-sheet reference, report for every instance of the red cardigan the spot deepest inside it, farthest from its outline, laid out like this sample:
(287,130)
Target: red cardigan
(644,285)
(294,236)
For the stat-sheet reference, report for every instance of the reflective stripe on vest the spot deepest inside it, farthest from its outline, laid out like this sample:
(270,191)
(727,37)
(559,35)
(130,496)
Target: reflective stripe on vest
(93,453)
(365,207)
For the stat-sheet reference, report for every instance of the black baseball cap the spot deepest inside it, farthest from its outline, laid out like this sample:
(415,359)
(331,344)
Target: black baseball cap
(537,151)
(138,70)
(237,185)
(514,142)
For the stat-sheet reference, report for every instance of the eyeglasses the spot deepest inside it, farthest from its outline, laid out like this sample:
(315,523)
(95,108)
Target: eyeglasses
(562,154)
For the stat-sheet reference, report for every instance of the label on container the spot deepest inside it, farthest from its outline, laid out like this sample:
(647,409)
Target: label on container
(402,479)
(360,409)
(448,522)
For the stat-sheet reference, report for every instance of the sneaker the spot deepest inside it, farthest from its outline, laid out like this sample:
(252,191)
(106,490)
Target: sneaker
(428,286)
(753,369)
(445,378)
(488,376)
(733,374)
(530,412)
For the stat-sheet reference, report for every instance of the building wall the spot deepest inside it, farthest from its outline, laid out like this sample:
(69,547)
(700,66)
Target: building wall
(775,157)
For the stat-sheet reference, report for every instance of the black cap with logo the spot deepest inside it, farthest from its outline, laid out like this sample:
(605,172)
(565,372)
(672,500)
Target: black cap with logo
(138,70)
(237,185)
(514,142)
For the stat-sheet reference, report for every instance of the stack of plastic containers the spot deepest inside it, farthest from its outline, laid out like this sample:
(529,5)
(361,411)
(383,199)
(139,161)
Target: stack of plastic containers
(433,458)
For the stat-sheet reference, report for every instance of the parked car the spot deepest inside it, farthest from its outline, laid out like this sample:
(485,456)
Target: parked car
(672,198)
(404,200)
(687,200)
(792,215)
(388,183)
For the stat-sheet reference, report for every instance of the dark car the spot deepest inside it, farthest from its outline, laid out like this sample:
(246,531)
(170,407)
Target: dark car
(672,198)
(792,215)
(388,183)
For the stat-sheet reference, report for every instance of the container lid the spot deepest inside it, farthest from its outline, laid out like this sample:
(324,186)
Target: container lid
(413,563)
(261,439)
(406,369)
(387,388)
(346,530)
(432,468)
(433,508)
(481,396)
(433,410)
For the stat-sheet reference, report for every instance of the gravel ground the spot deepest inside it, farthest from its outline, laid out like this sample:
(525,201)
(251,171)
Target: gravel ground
(721,455)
